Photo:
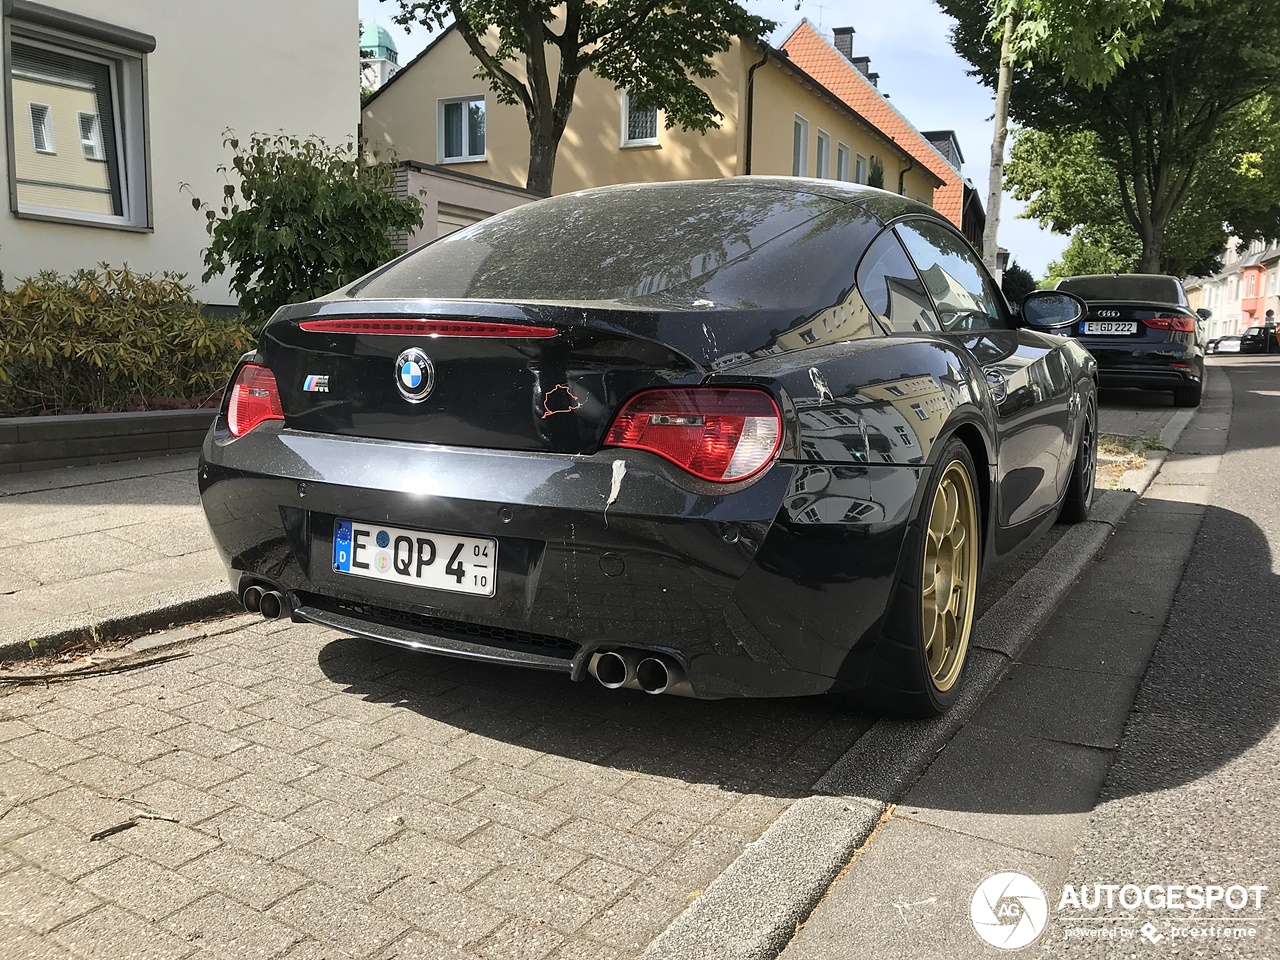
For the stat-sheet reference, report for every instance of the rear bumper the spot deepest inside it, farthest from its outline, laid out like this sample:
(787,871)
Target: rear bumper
(748,598)
(1157,379)
(1161,366)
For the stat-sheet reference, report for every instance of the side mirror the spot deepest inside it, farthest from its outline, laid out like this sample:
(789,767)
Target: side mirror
(1204,314)
(1050,309)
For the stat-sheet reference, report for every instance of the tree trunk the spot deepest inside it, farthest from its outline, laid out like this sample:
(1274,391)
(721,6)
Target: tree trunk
(1152,254)
(543,145)
(995,188)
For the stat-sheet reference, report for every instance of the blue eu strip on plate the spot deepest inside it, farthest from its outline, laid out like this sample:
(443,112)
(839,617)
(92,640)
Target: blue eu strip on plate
(342,546)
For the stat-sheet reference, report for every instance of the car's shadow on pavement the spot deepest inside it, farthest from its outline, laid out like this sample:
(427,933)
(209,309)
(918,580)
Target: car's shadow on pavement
(1120,397)
(775,747)
(1212,690)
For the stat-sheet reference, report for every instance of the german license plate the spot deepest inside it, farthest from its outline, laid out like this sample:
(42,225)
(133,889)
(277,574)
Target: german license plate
(1110,327)
(417,558)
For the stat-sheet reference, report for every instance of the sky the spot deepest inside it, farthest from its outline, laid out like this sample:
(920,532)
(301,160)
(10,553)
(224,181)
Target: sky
(909,44)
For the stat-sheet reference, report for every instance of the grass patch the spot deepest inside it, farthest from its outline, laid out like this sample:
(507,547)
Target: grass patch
(1118,454)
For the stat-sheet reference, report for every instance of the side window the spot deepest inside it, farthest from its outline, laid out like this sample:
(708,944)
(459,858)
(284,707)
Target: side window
(892,289)
(965,295)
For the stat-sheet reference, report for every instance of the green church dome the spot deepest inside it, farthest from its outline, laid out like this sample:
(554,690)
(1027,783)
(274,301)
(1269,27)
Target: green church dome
(376,43)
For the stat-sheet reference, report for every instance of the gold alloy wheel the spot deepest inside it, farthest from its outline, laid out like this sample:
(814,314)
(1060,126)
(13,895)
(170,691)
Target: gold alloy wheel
(950,576)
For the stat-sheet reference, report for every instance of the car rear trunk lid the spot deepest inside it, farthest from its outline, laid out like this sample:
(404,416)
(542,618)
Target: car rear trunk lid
(496,375)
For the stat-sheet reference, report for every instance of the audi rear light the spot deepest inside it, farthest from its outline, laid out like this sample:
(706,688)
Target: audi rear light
(428,328)
(255,399)
(1177,324)
(717,433)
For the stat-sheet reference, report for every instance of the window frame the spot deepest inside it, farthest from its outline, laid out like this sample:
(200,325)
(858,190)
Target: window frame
(626,142)
(885,325)
(799,151)
(822,161)
(1004,318)
(124,51)
(46,129)
(99,149)
(861,162)
(467,156)
(843,152)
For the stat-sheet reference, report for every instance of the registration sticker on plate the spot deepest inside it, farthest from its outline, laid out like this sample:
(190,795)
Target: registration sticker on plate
(418,558)
(1110,327)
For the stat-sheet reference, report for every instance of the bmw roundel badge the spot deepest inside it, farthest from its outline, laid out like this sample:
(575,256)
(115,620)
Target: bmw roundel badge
(415,375)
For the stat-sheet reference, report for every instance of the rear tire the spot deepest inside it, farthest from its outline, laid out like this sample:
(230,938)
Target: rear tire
(1188,396)
(929,622)
(1079,499)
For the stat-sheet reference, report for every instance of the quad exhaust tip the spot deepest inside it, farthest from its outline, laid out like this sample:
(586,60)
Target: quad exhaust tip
(653,675)
(640,670)
(252,599)
(270,603)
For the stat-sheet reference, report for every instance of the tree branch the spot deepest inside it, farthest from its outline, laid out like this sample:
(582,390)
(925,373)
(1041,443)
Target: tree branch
(487,60)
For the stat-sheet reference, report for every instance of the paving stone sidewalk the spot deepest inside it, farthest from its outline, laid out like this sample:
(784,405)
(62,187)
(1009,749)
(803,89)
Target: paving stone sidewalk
(83,545)
(322,796)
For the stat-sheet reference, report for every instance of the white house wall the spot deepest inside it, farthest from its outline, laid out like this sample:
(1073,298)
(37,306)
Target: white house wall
(290,65)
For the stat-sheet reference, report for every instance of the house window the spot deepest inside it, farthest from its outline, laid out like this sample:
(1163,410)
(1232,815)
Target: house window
(824,155)
(82,80)
(90,135)
(639,127)
(842,161)
(800,148)
(1251,285)
(42,128)
(462,129)
(860,169)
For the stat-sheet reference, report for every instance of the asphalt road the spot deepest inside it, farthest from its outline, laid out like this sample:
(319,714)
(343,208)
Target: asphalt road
(1194,794)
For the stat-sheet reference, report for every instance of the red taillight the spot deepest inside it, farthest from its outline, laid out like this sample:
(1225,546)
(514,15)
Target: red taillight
(254,399)
(428,328)
(715,433)
(1176,324)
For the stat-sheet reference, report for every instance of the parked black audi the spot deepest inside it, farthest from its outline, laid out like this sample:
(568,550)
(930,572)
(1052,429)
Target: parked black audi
(1141,330)
(750,437)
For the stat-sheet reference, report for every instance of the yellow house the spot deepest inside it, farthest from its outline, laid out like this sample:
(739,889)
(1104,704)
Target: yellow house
(777,120)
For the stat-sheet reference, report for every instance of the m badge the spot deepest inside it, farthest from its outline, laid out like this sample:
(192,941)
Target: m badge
(316,384)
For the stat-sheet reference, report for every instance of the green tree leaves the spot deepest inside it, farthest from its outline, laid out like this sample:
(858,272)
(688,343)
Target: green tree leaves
(1069,184)
(309,219)
(1166,121)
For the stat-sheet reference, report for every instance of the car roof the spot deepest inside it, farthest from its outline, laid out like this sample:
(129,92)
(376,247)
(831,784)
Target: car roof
(880,204)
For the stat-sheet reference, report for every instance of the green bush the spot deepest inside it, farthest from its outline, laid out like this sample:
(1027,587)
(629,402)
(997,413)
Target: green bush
(310,218)
(111,340)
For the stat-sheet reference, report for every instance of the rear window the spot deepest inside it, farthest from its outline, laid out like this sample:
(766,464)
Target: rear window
(1149,289)
(662,242)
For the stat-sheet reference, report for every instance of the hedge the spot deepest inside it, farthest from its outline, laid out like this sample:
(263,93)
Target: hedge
(111,340)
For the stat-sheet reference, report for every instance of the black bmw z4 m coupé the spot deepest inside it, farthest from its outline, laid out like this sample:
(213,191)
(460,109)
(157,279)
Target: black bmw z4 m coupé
(750,437)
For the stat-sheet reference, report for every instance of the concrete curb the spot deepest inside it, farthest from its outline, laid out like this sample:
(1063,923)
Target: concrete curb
(750,912)
(210,599)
